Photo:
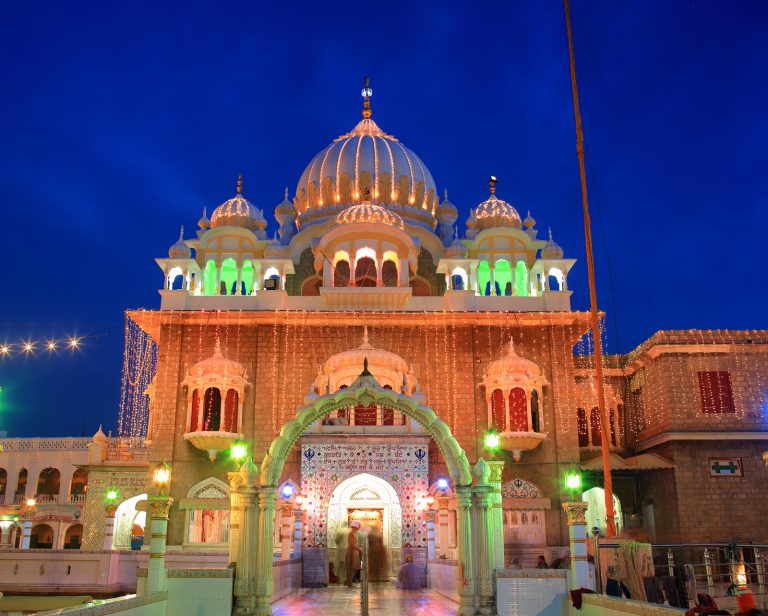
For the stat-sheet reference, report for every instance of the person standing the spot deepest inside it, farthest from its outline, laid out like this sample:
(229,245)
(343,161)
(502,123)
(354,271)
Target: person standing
(353,563)
(377,557)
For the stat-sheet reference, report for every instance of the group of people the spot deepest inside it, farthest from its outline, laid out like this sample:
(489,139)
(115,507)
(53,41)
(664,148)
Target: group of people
(348,563)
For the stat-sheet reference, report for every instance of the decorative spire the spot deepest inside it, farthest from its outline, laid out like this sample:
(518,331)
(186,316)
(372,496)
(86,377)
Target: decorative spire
(550,233)
(445,194)
(181,234)
(367,93)
(240,184)
(365,371)
(286,193)
(205,212)
(492,181)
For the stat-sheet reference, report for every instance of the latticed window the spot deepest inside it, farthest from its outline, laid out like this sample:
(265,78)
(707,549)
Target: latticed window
(716,393)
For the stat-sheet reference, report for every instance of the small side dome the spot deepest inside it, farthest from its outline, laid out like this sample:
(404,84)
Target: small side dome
(239,212)
(99,437)
(457,249)
(447,214)
(180,250)
(551,250)
(274,250)
(285,212)
(494,212)
(529,222)
(204,223)
(369,212)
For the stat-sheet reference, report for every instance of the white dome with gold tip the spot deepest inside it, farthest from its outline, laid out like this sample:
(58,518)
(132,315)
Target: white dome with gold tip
(495,212)
(239,212)
(367,162)
(369,212)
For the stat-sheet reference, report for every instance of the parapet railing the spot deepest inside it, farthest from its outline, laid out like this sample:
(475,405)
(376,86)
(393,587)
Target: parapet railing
(127,449)
(69,443)
(721,570)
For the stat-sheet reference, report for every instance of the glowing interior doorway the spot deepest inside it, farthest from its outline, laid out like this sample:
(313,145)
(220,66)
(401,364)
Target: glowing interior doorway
(366,496)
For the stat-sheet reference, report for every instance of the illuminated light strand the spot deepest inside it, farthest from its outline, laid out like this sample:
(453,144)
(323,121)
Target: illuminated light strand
(139,365)
(8,349)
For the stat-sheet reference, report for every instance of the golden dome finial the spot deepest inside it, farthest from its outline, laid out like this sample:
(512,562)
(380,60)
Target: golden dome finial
(240,184)
(367,93)
(492,181)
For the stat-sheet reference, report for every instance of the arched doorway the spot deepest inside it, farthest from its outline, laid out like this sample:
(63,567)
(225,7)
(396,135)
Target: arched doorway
(130,522)
(365,390)
(41,537)
(73,538)
(374,502)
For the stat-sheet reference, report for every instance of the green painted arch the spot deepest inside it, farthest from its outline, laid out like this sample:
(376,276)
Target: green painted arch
(274,459)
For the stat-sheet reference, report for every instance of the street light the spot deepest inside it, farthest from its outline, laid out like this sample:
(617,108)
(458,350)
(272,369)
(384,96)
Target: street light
(31,502)
(238,451)
(162,476)
(573,480)
(112,496)
(492,441)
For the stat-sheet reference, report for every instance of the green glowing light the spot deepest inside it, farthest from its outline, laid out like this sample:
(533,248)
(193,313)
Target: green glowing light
(492,440)
(573,480)
(112,495)
(238,451)
(521,279)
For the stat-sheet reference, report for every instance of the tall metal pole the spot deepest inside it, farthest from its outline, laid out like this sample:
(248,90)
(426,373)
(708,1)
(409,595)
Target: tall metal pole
(594,316)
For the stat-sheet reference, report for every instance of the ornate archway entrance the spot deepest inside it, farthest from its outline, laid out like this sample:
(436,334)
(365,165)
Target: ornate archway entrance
(258,489)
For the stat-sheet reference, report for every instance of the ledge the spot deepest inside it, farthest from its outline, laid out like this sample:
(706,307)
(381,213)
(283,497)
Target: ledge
(552,574)
(111,606)
(628,606)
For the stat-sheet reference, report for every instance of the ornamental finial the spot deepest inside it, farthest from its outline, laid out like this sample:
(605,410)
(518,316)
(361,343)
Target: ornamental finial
(286,193)
(181,234)
(367,93)
(492,181)
(550,234)
(240,184)
(445,194)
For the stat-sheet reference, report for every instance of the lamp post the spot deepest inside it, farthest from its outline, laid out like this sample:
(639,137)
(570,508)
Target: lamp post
(492,440)
(159,507)
(576,511)
(573,481)
(238,453)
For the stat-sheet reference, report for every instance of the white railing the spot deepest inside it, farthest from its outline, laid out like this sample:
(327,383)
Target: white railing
(47,499)
(69,443)
(77,499)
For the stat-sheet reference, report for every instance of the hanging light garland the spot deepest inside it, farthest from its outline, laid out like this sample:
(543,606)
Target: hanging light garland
(45,345)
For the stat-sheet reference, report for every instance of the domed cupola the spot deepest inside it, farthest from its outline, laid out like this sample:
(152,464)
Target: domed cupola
(275,250)
(551,250)
(239,212)
(494,212)
(457,249)
(204,223)
(368,213)
(529,222)
(285,213)
(180,250)
(366,160)
(447,214)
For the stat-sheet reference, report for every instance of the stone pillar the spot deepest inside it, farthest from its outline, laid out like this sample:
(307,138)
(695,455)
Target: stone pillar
(577,535)
(245,572)
(483,538)
(497,513)
(218,280)
(26,533)
(109,525)
(493,281)
(442,540)
(235,515)
(298,521)
(327,273)
(431,513)
(466,561)
(159,506)
(286,530)
(264,557)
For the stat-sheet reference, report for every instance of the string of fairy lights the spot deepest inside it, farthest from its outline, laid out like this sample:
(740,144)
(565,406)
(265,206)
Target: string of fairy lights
(31,346)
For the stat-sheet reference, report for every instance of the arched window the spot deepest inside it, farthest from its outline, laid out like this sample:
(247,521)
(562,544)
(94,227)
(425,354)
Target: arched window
(49,482)
(246,276)
(79,482)
(272,279)
(484,278)
(21,484)
(311,286)
(229,277)
(521,279)
(73,537)
(498,411)
(389,274)
(3,481)
(341,274)
(535,412)
(209,278)
(365,415)
(212,410)
(594,426)
(230,411)
(502,275)
(176,279)
(365,272)
(420,287)
(518,410)
(582,427)
(557,283)
(41,537)
(194,420)
(459,279)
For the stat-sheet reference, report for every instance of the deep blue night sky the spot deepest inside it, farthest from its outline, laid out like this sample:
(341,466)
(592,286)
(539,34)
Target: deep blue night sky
(120,121)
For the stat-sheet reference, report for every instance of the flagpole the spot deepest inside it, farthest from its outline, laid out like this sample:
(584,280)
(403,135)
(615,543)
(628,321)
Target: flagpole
(593,311)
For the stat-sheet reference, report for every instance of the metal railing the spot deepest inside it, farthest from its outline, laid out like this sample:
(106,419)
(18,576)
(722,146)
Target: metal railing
(720,570)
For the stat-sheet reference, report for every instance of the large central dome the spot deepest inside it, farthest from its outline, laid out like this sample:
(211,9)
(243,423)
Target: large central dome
(367,165)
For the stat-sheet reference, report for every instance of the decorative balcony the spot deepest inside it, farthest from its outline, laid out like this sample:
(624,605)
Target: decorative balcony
(212,442)
(518,442)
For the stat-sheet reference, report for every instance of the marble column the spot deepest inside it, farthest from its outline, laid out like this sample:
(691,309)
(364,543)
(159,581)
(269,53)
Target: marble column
(26,533)
(466,561)
(109,525)
(483,538)
(298,521)
(159,507)
(431,513)
(245,571)
(286,530)
(577,536)
(235,515)
(264,557)
(497,513)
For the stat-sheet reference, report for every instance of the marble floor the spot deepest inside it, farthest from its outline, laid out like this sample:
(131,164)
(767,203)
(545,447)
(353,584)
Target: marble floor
(383,599)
